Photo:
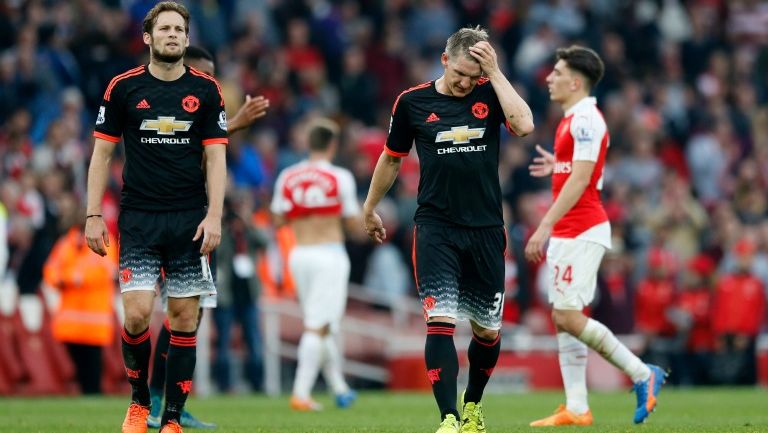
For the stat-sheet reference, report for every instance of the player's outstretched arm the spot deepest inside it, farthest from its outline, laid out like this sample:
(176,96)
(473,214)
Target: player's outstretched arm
(572,190)
(543,165)
(216,179)
(96,233)
(384,176)
(251,110)
(516,110)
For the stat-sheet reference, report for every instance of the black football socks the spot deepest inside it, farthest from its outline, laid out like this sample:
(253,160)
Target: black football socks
(157,382)
(136,351)
(178,374)
(482,356)
(442,366)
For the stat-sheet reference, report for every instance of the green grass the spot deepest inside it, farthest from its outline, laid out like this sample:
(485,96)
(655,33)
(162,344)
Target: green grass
(701,410)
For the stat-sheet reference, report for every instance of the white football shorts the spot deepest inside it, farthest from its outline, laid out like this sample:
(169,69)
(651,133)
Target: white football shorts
(321,274)
(573,266)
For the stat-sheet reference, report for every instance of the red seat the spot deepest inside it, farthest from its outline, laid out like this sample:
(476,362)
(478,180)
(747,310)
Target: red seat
(11,371)
(48,369)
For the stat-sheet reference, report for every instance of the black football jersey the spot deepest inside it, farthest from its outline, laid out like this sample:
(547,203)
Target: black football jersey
(457,140)
(164,125)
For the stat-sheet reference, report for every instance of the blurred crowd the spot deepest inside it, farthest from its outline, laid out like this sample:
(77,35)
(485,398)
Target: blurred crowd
(685,97)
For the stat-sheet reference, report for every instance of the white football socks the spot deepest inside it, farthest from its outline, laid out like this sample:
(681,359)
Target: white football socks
(310,356)
(332,365)
(602,340)
(573,367)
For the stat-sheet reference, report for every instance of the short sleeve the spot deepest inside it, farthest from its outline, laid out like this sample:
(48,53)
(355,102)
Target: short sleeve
(587,130)
(214,129)
(110,119)
(280,205)
(400,138)
(348,192)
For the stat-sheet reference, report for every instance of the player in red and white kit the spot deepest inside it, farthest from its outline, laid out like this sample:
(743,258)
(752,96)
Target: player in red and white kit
(580,234)
(318,200)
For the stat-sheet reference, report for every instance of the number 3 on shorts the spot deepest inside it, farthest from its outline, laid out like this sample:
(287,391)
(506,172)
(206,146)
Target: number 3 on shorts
(498,301)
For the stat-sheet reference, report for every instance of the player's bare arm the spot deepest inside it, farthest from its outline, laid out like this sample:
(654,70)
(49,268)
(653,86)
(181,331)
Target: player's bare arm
(384,176)
(543,165)
(252,110)
(572,190)
(516,110)
(96,233)
(351,224)
(216,179)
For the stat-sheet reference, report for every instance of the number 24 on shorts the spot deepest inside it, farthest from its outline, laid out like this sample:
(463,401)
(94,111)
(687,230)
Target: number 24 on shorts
(567,276)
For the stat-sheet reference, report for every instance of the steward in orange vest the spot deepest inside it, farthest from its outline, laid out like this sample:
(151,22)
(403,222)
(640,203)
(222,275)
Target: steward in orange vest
(84,319)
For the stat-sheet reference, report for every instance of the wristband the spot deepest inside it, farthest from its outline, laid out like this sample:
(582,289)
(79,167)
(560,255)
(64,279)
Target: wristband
(93,215)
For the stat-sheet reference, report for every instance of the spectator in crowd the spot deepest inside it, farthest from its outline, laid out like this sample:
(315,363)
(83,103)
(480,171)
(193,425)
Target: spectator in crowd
(737,315)
(691,314)
(238,292)
(654,297)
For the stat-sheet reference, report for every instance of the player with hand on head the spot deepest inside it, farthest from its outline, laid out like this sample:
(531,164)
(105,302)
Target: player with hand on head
(251,110)
(318,200)
(169,116)
(580,234)
(459,239)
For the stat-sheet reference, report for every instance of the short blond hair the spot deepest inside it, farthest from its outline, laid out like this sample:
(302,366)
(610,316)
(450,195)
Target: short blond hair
(459,42)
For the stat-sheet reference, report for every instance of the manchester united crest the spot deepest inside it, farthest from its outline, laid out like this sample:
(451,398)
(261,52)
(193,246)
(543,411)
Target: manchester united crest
(480,110)
(190,103)
(126,275)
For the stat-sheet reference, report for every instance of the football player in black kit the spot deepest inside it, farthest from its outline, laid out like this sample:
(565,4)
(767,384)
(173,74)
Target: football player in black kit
(251,110)
(459,238)
(168,116)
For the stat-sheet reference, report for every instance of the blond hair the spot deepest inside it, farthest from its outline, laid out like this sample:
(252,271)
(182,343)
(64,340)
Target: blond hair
(459,42)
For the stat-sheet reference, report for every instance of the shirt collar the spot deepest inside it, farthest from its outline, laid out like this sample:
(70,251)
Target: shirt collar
(583,103)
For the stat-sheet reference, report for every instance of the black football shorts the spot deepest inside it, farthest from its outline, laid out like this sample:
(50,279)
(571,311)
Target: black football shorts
(151,241)
(460,272)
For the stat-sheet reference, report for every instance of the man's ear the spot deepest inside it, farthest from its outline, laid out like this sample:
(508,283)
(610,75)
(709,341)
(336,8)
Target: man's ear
(147,38)
(576,83)
(444,60)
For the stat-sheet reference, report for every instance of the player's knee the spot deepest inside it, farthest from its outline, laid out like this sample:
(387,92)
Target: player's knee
(325,330)
(321,331)
(136,320)
(183,320)
(565,321)
(486,334)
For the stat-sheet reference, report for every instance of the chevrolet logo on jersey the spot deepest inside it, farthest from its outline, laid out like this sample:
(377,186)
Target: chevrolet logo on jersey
(166,125)
(460,134)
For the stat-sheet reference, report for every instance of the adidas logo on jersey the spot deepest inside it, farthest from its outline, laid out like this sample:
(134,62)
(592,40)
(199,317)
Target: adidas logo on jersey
(143,104)
(432,118)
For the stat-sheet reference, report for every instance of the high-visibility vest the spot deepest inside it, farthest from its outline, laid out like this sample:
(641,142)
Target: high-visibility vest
(86,282)
(275,275)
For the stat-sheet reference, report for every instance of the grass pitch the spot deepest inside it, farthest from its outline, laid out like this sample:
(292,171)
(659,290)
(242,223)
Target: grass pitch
(701,410)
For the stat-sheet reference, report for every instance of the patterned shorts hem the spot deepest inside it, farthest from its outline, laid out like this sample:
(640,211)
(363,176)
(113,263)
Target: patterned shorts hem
(483,323)
(191,294)
(138,289)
